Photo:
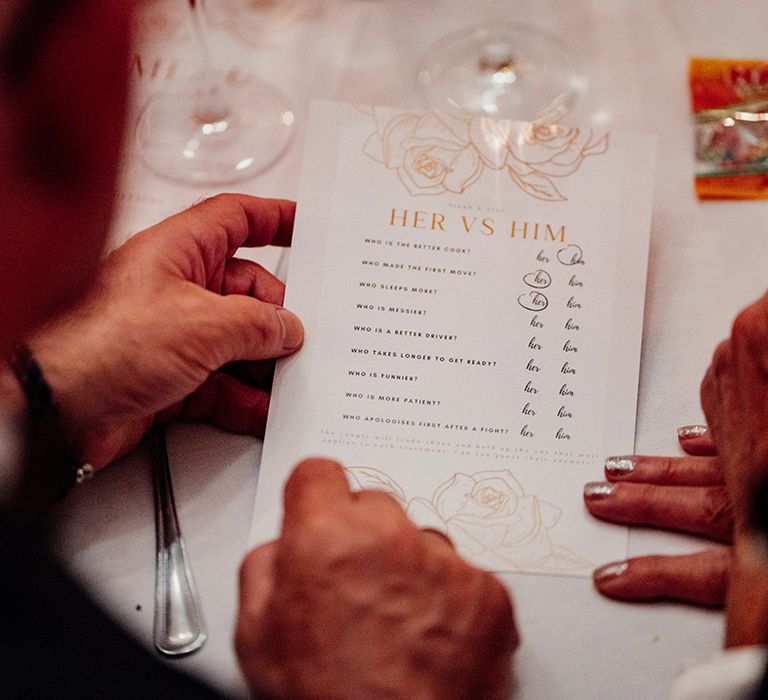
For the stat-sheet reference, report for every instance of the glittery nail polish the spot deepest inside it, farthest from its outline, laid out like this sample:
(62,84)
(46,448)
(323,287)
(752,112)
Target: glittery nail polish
(688,432)
(612,570)
(619,466)
(598,489)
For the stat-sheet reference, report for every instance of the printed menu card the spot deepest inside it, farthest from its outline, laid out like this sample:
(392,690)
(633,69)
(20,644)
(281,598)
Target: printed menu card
(472,293)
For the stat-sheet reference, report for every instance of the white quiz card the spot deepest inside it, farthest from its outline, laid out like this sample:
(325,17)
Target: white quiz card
(472,292)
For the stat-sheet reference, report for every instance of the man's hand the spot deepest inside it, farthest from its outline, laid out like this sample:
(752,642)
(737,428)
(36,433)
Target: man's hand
(169,309)
(353,601)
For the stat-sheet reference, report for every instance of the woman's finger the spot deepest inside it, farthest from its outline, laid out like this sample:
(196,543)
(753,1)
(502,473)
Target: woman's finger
(672,471)
(701,510)
(696,440)
(695,578)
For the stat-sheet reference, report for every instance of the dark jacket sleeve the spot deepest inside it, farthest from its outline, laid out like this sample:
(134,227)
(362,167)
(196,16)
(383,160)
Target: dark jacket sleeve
(56,643)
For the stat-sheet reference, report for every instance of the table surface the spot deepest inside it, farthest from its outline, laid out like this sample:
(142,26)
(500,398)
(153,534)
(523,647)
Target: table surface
(706,263)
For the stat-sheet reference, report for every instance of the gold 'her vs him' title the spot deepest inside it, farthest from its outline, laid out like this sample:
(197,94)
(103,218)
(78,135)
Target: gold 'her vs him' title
(484,226)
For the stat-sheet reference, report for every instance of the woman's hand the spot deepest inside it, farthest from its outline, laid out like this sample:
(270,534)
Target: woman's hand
(734,396)
(169,310)
(685,494)
(709,495)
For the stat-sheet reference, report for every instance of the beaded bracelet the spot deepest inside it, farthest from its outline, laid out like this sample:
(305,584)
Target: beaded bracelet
(49,455)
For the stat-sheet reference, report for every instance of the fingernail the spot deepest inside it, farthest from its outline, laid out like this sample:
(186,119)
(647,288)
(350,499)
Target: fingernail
(612,570)
(618,466)
(688,432)
(598,489)
(293,331)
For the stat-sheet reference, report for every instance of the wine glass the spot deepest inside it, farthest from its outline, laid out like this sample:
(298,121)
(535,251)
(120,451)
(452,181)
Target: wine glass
(502,69)
(221,128)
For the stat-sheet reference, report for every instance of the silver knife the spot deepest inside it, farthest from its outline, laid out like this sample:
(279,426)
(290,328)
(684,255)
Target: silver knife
(178,624)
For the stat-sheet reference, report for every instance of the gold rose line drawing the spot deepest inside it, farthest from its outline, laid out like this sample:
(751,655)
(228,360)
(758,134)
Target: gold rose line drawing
(434,153)
(489,517)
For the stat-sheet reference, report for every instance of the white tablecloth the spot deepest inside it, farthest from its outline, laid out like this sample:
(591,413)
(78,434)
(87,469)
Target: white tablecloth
(706,262)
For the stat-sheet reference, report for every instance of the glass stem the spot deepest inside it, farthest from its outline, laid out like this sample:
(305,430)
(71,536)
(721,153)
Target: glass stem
(210,108)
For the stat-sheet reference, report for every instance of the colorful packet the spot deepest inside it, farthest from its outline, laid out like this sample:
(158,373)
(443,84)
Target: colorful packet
(729,101)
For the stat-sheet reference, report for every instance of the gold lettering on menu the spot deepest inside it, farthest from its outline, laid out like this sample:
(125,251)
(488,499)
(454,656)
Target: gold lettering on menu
(486,226)
(417,219)
(525,229)
(553,237)
(522,231)
(435,221)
